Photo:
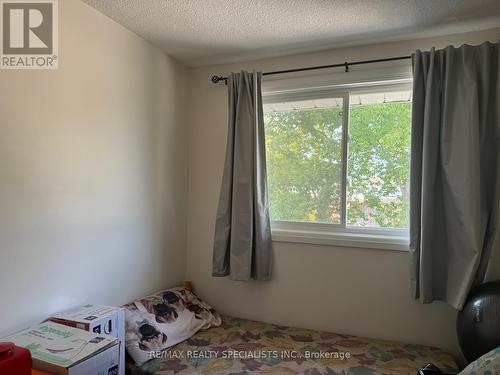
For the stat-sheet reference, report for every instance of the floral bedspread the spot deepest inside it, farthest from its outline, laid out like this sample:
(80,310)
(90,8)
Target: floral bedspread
(245,347)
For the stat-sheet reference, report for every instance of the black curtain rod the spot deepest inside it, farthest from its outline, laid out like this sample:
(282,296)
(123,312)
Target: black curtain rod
(217,79)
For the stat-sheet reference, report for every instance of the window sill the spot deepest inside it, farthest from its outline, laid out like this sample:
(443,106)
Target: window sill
(384,241)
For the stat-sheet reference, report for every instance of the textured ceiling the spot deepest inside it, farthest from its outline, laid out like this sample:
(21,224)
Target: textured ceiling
(200,32)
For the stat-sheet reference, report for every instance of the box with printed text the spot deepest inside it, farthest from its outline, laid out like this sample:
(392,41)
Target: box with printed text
(63,350)
(98,319)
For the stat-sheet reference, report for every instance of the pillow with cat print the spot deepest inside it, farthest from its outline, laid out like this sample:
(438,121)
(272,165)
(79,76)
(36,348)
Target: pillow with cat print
(159,321)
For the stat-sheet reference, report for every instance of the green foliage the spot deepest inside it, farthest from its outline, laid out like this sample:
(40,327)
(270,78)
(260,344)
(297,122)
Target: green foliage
(304,164)
(379,165)
(304,151)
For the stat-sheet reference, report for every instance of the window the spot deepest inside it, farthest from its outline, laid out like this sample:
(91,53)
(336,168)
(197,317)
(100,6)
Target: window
(304,142)
(338,165)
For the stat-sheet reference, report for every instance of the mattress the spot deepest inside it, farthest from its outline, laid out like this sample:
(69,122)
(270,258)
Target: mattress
(247,347)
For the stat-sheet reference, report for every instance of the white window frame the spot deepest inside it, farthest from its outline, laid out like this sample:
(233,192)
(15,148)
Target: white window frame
(339,234)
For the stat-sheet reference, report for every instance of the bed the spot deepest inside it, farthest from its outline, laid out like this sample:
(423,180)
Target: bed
(247,347)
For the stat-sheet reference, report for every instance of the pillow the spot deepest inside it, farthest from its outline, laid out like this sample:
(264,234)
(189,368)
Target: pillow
(159,321)
(488,364)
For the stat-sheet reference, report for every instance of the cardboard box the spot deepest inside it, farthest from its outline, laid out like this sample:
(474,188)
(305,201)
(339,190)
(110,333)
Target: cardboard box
(63,350)
(98,319)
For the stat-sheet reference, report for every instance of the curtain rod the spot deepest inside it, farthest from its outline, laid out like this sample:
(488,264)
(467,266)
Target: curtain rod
(217,79)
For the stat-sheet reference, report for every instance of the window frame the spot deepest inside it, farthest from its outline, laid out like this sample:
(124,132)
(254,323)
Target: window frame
(340,234)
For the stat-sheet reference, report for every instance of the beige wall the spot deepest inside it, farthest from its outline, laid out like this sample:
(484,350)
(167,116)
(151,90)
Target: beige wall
(92,173)
(348,290)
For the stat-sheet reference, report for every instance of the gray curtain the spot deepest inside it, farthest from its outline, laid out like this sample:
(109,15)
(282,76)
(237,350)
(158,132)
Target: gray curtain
(454,183)
(242,243)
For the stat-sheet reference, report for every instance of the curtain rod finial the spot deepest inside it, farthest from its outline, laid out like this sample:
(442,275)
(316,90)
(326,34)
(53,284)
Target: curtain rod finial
(217,79)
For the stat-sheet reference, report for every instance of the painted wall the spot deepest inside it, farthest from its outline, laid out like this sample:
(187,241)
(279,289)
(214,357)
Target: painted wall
(92,173)
(347,290)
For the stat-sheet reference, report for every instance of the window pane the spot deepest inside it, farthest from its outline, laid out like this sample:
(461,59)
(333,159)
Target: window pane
(379,159)
(304,160)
